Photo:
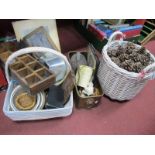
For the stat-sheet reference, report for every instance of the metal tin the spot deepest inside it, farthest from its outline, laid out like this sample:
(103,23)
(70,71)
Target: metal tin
(92,101)
(55,64)
(88,101)
(58,66)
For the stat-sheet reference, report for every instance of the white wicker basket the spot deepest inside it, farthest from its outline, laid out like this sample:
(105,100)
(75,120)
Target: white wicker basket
(117,83)
(36,114)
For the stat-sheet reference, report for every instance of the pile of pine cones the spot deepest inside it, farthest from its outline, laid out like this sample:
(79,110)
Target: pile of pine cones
(130,58)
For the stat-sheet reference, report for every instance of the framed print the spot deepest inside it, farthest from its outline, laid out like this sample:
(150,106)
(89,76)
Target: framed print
(24,27)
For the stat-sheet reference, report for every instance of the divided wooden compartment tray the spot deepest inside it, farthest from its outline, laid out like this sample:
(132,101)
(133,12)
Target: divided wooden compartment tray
(4,56)
(87,101)
(31,74)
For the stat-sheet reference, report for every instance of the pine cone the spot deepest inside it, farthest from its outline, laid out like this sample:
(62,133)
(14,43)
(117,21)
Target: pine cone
(134,56)
(128,51)
(141,50)
(150,60)
(123,57)
(130,45)
(137,67)
(112,53)
(129,62)
(128,65)
(121,50)
(125,65)
(109,53)
(115,60)
(144,60)
(130,57)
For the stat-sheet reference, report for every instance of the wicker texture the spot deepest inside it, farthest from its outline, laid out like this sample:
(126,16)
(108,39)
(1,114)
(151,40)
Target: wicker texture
(118,83)
(40,113)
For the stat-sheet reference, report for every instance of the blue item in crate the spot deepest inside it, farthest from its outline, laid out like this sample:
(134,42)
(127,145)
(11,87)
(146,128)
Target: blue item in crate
(124,29)
(98,21)
(108,31)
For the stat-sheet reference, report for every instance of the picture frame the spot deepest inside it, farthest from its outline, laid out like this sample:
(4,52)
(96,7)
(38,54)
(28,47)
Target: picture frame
(39,37)
(24,27)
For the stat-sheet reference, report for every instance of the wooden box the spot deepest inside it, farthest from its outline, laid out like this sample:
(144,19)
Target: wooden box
(31,74)
(4,56)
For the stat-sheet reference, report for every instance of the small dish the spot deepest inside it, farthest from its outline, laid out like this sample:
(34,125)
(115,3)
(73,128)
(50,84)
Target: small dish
(40,99)
(24,101)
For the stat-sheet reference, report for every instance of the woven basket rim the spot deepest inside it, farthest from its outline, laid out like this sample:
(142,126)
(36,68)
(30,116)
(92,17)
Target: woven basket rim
(115,66)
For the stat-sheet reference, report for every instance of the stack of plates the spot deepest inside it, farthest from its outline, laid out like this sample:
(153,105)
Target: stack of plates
(18,90)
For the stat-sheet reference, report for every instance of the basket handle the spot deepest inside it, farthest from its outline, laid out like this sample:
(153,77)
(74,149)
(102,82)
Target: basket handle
(145,74)
(34,50)
(111,39)
(113,36)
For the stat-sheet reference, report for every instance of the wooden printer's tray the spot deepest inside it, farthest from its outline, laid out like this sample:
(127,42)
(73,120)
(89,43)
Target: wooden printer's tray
(31,74)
